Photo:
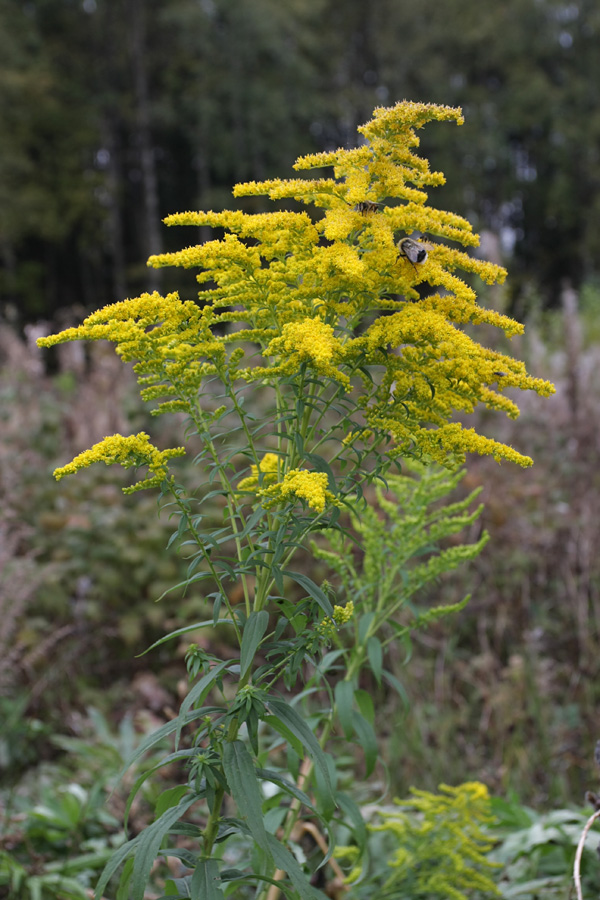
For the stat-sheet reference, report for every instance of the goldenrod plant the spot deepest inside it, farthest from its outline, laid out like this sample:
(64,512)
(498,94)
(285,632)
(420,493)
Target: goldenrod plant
(439,844)
(322,351)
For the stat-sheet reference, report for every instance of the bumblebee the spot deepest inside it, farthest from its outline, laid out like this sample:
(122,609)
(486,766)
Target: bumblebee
(414,251)
(367,206)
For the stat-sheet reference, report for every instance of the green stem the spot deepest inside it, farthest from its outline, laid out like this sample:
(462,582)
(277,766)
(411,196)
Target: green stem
(198,539)
(229,492)
(212,826)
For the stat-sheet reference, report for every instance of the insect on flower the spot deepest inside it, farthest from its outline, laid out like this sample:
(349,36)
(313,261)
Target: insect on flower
(414,251)
(367,206)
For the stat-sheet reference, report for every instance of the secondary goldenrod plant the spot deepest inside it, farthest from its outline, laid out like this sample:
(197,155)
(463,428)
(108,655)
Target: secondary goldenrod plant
(321,351)
(440,844)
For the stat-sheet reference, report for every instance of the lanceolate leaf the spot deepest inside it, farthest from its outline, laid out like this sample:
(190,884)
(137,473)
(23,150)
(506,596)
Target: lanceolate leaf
(367,740)
(164,731)
(294,721)
(123,889)
(113,864)
(375,654)
(364,701)
(145,847)
(287,786)
(243,783)
(352,811)
(254,630)
(180,631)
(197,693)
(284,860)
(344,698)
(206,883)
(398,686)
(312,590)
(149,844)
(285,732)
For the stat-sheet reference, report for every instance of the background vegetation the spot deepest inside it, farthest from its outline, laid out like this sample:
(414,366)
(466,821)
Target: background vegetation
(114,113)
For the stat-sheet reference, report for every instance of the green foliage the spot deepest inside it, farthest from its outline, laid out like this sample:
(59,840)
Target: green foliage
(405,549)
(218,764)
(537,851)
(61,827)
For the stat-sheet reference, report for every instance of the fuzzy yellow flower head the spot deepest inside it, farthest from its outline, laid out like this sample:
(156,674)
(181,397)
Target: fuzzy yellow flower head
(267,467)
(311,341)
(330,302)
(311,487)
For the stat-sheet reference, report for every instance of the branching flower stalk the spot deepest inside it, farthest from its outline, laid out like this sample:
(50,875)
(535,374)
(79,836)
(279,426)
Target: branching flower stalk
(320,355)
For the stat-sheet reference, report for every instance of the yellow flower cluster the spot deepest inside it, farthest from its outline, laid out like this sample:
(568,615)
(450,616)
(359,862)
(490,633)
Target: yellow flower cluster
(268,467)
(169,340)
(133,451)
(441,850)
(317,295)
(311,487)
(311,341)
(343,614)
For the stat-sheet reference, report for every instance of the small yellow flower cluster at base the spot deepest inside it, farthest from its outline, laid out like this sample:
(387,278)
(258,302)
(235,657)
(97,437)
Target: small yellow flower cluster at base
(341,616)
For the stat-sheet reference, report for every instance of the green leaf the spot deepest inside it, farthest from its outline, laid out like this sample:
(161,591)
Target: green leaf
(352,811)
(150,840)
(197,693)
(375,654)
(398,687)
(172,757)
(328,661)
(364,623)
(365,704)
(284,860)
(344,699)
(123,891)
(170,798)
(312,590)
(287,786)
(294,721)
(254,630)
(113,864)
(367,740)
(285,732)
(206,882)
(243,783)
(326,801)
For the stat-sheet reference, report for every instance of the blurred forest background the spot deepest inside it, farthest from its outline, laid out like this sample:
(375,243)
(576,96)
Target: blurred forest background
(115,113)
